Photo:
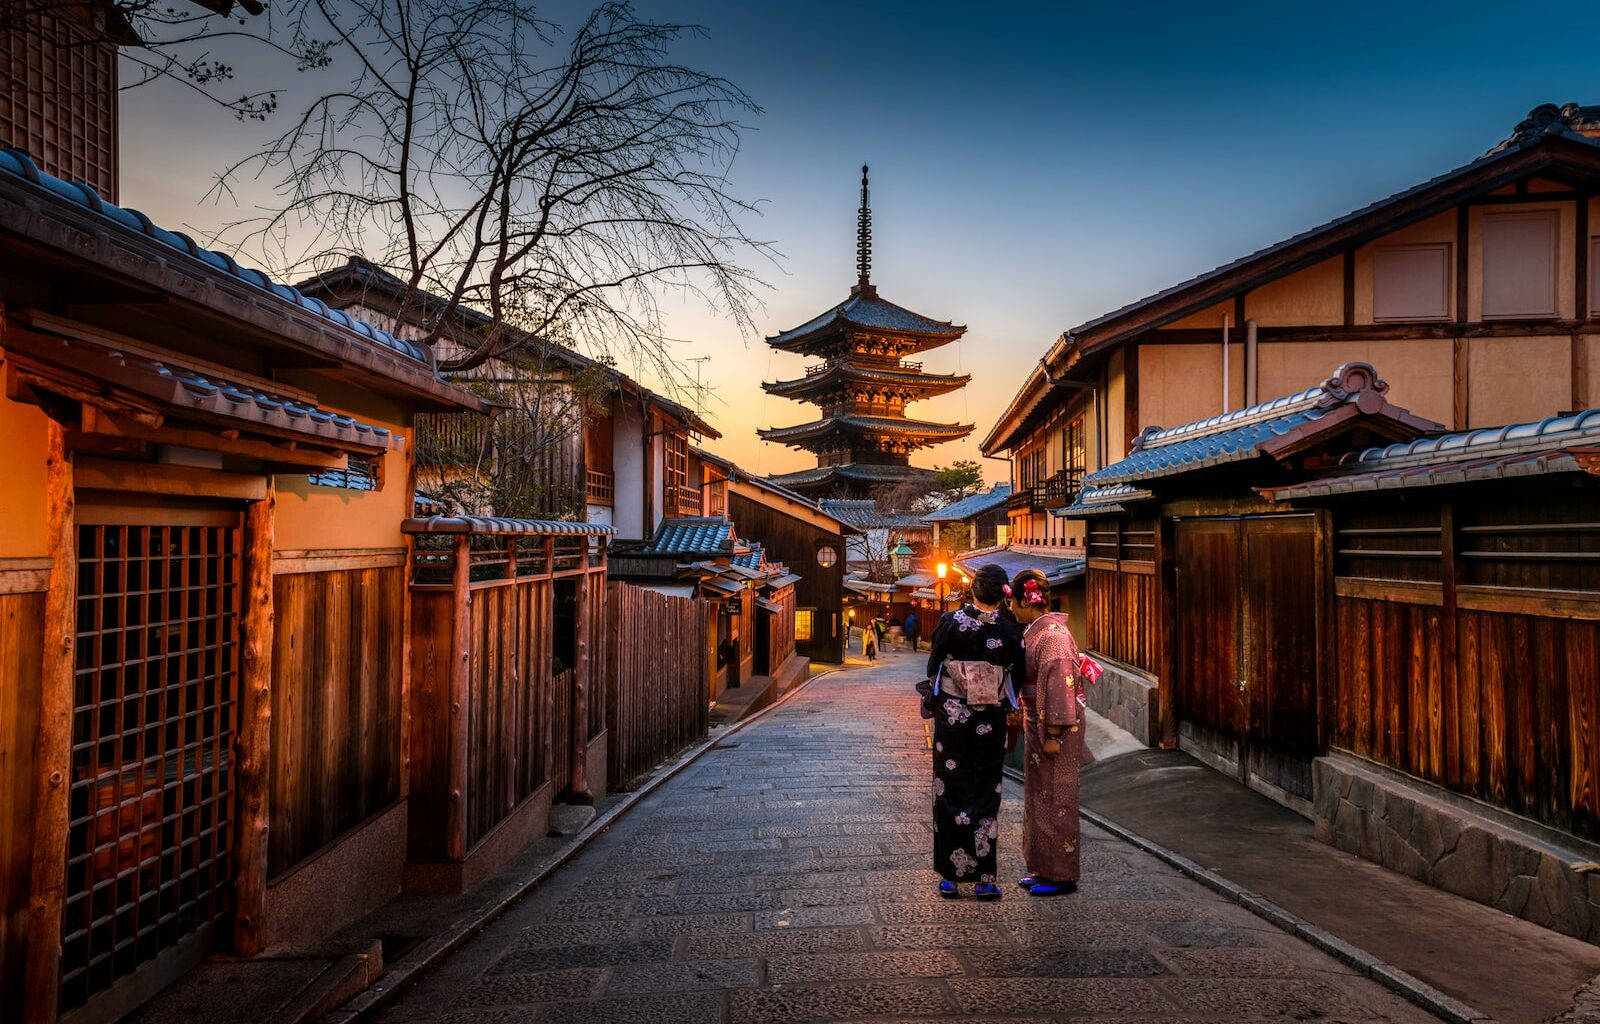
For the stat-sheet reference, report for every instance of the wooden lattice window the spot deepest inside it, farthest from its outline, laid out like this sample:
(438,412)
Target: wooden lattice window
(150,838)
(677,477)
(58,99)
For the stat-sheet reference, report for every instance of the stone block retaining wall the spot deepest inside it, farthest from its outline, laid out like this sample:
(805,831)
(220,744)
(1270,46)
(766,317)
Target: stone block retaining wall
(1125,697)
(1438,838)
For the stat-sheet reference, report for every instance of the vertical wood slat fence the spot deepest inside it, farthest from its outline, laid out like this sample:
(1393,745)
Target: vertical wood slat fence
(504,619)
(659,655)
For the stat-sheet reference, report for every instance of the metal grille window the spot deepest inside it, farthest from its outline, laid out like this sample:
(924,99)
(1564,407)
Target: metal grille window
(804,622)
(149,849)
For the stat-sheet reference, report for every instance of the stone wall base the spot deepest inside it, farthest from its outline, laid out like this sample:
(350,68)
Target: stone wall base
(1458,845)
(1126,698)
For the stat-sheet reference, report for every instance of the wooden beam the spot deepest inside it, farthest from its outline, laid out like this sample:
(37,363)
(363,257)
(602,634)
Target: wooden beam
(253,742)
(226,441)
(580,698)
(1349,289)
(156,478)
(1416,331)
(1581,262)
(25,575)
(1463,234)
(53,762)
(1460,362)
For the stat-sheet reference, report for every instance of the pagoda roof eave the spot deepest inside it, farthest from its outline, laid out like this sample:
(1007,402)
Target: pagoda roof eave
(865,311)
(924,383)
(867,426)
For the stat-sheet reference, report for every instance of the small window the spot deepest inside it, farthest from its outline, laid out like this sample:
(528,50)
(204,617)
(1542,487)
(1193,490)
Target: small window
(1519,264)
(804,622)
(1411,282)
(827,556)
(360,474)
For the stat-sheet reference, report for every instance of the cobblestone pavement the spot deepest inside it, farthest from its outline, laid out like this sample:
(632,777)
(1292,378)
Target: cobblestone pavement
(785,877)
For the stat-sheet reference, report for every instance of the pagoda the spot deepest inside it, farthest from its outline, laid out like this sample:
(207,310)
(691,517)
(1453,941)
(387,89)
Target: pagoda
(863,385)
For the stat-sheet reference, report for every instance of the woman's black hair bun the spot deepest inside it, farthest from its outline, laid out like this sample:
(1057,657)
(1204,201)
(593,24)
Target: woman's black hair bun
(989,584)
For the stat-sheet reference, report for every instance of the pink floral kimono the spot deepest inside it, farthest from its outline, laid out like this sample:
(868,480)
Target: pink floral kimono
(1050,801)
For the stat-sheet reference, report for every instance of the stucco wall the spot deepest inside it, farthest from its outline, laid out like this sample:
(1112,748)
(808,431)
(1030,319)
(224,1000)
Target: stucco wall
(1514,379)
(628,459)
(1420,373)
(1435,229)
(1314,295)
(22,484)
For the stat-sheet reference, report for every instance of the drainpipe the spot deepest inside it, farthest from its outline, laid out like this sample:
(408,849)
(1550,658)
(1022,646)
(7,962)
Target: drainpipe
(1227,322)
(1250,367)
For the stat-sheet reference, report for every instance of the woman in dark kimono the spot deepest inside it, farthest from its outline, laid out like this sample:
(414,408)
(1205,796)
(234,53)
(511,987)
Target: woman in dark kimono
(969,738)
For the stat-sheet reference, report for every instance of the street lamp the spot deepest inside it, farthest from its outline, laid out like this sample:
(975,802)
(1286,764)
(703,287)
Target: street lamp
(901,557)
(941,570)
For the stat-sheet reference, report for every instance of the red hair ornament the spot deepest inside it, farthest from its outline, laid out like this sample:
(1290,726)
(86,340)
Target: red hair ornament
(1032,594)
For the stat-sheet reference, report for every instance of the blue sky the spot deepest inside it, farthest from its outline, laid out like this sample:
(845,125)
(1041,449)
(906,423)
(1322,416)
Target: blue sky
(1033,164)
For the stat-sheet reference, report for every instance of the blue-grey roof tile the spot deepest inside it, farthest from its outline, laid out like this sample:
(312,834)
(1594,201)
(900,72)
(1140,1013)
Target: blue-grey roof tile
(971,506)
(697,535)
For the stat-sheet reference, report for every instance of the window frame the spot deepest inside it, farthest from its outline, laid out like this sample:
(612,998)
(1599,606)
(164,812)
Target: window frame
(1551,217)
(1444,251)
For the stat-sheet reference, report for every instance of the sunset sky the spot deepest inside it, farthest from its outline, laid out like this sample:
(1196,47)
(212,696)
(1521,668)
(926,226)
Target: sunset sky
(1033,164)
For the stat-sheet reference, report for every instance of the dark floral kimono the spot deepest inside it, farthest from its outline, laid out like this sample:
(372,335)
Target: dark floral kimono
(969,745)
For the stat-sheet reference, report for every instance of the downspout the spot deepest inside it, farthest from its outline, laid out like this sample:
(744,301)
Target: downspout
(1251,367)
(1227,322)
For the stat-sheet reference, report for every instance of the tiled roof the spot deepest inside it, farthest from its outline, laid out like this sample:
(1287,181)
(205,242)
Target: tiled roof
(864,514)
(865,425)
(972,506)
(498,524)
(1474,456)
(830,379)
(16,164)
(864,309)
(750,559)
(363,274)
(1518,142)
(1056,570)
(697,535)
(1241,435)
(1100,501)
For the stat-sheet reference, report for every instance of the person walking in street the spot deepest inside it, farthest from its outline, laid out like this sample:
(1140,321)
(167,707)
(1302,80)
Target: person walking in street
(1052,738)
(880,627)
(869,640)
(975,660)
(913,630)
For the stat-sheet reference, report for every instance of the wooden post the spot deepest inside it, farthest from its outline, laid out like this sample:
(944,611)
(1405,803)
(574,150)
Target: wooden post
(542,668)
(580,697)
(47,892)
(253,742)
(460,694)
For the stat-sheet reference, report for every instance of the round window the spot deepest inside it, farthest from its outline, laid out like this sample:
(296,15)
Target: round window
(827,556)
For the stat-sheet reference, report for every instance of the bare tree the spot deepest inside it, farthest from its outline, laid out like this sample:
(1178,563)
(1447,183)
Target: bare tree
(167,40)
(555,181)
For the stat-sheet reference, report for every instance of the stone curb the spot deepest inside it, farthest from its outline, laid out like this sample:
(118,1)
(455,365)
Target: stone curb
(1410,988)
(431,952)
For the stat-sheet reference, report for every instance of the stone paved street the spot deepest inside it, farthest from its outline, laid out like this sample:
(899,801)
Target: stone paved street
(785,877)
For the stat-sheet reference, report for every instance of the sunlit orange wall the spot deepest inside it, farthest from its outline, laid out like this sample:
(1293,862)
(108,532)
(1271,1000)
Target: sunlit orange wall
(22,512)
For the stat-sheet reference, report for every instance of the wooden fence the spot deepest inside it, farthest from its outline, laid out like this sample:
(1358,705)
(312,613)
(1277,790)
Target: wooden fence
(504,618)
(1468,645)
(658,651)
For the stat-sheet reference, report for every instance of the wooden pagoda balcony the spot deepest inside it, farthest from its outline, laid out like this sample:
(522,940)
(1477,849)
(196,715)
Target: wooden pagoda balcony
(601,487)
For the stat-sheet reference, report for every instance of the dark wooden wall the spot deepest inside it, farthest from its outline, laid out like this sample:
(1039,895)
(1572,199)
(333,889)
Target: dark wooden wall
(336,706)
(794,542)
(780,634)
(21,639)
(1122,592)
(658,659)
(1469,647)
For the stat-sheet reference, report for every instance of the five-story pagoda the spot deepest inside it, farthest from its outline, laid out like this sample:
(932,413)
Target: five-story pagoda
(863,386)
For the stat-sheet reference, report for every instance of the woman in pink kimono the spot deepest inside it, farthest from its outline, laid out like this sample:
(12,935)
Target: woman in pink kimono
(1052,740)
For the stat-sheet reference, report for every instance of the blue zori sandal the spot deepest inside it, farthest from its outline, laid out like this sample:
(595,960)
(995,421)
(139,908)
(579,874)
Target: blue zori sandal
(1028,881)
(1040,887)
(986,891)
(949,890)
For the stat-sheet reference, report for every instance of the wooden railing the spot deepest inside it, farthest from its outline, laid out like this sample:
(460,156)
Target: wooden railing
(1061,489)
(602,487)
(683,500)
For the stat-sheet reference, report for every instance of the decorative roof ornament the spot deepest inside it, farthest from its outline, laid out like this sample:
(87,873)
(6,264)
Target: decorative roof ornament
(1545,119)
(864,239)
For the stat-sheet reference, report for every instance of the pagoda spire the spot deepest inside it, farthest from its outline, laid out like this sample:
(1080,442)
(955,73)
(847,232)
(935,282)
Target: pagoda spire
(864,239)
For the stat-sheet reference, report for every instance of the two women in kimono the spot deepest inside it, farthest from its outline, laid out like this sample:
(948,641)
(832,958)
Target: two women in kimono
(982,672)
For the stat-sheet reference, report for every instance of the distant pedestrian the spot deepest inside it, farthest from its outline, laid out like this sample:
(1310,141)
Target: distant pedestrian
(913,630)
(880,628)
(1052,737)
(975,661)
(869,640)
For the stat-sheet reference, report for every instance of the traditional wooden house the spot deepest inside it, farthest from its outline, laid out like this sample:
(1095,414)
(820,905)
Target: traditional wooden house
(207,478)
(1475,291)
(596,444)
(976,521)
(1349,610)
(795,531)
